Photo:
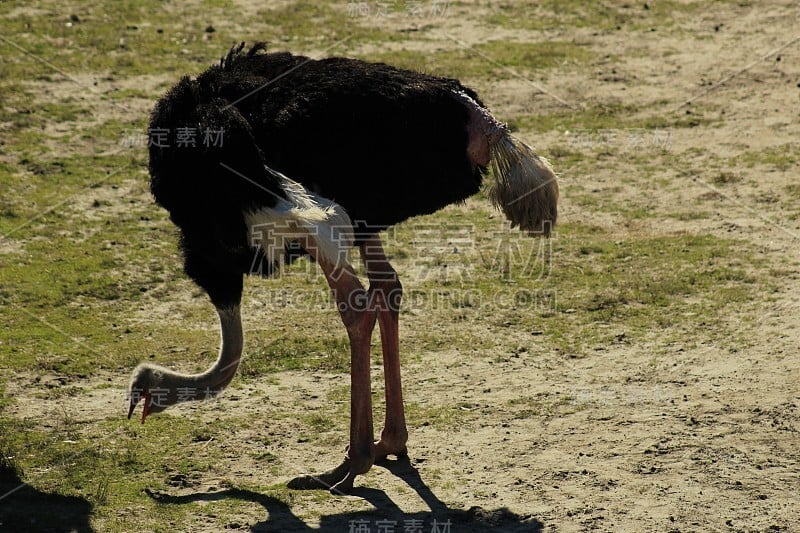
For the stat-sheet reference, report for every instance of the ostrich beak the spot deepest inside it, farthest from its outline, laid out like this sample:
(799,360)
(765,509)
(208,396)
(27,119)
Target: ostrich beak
(145,406)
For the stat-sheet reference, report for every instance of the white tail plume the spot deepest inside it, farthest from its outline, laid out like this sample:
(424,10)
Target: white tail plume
(525,187)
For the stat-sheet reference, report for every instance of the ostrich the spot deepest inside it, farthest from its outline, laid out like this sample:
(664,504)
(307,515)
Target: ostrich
(318,156)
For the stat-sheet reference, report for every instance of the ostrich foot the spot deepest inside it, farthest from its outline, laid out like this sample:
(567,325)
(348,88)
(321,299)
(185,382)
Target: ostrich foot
(337,480)
(390,446)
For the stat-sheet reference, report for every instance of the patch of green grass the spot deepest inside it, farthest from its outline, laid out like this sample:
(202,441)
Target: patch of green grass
(535,55)
(115,38)
(72,479)
(600,16)
(625,122)
(638,284)
(793,190)
(118,39)
(129,93)
(318,423)
(488,59)
(30,115)
(90,271)
(781,157)
(541,405)
(312,21)
(295,352)
(438,416)
(455,335)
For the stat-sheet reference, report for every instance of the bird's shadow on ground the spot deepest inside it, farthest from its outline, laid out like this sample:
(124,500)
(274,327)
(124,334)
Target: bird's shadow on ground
(386,516)
(25,508)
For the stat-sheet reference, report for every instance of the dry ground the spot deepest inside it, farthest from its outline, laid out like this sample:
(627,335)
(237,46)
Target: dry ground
(649,383)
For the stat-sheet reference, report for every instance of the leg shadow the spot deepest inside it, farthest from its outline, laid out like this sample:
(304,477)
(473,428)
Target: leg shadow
(386,516)
(280,518)
(441,517)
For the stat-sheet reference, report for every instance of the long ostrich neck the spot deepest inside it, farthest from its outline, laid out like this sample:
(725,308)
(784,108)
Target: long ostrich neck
(482,119)
(484,131)
(184,387)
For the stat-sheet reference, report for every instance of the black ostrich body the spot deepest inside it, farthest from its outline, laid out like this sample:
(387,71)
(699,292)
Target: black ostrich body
(345,129)
(324,154)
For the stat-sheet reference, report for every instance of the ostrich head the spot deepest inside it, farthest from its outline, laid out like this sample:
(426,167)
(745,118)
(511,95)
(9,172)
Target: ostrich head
(156,385)
(525,187)
(161,387)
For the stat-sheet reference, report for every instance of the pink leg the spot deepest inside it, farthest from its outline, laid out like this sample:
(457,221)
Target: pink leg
(385,293)
(359,319)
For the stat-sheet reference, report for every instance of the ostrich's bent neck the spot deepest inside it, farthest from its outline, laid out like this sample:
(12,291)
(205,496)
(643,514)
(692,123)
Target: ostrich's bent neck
(224,368)
(161,387)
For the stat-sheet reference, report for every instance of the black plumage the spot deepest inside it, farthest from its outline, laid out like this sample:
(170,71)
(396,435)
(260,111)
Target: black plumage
(386,144)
